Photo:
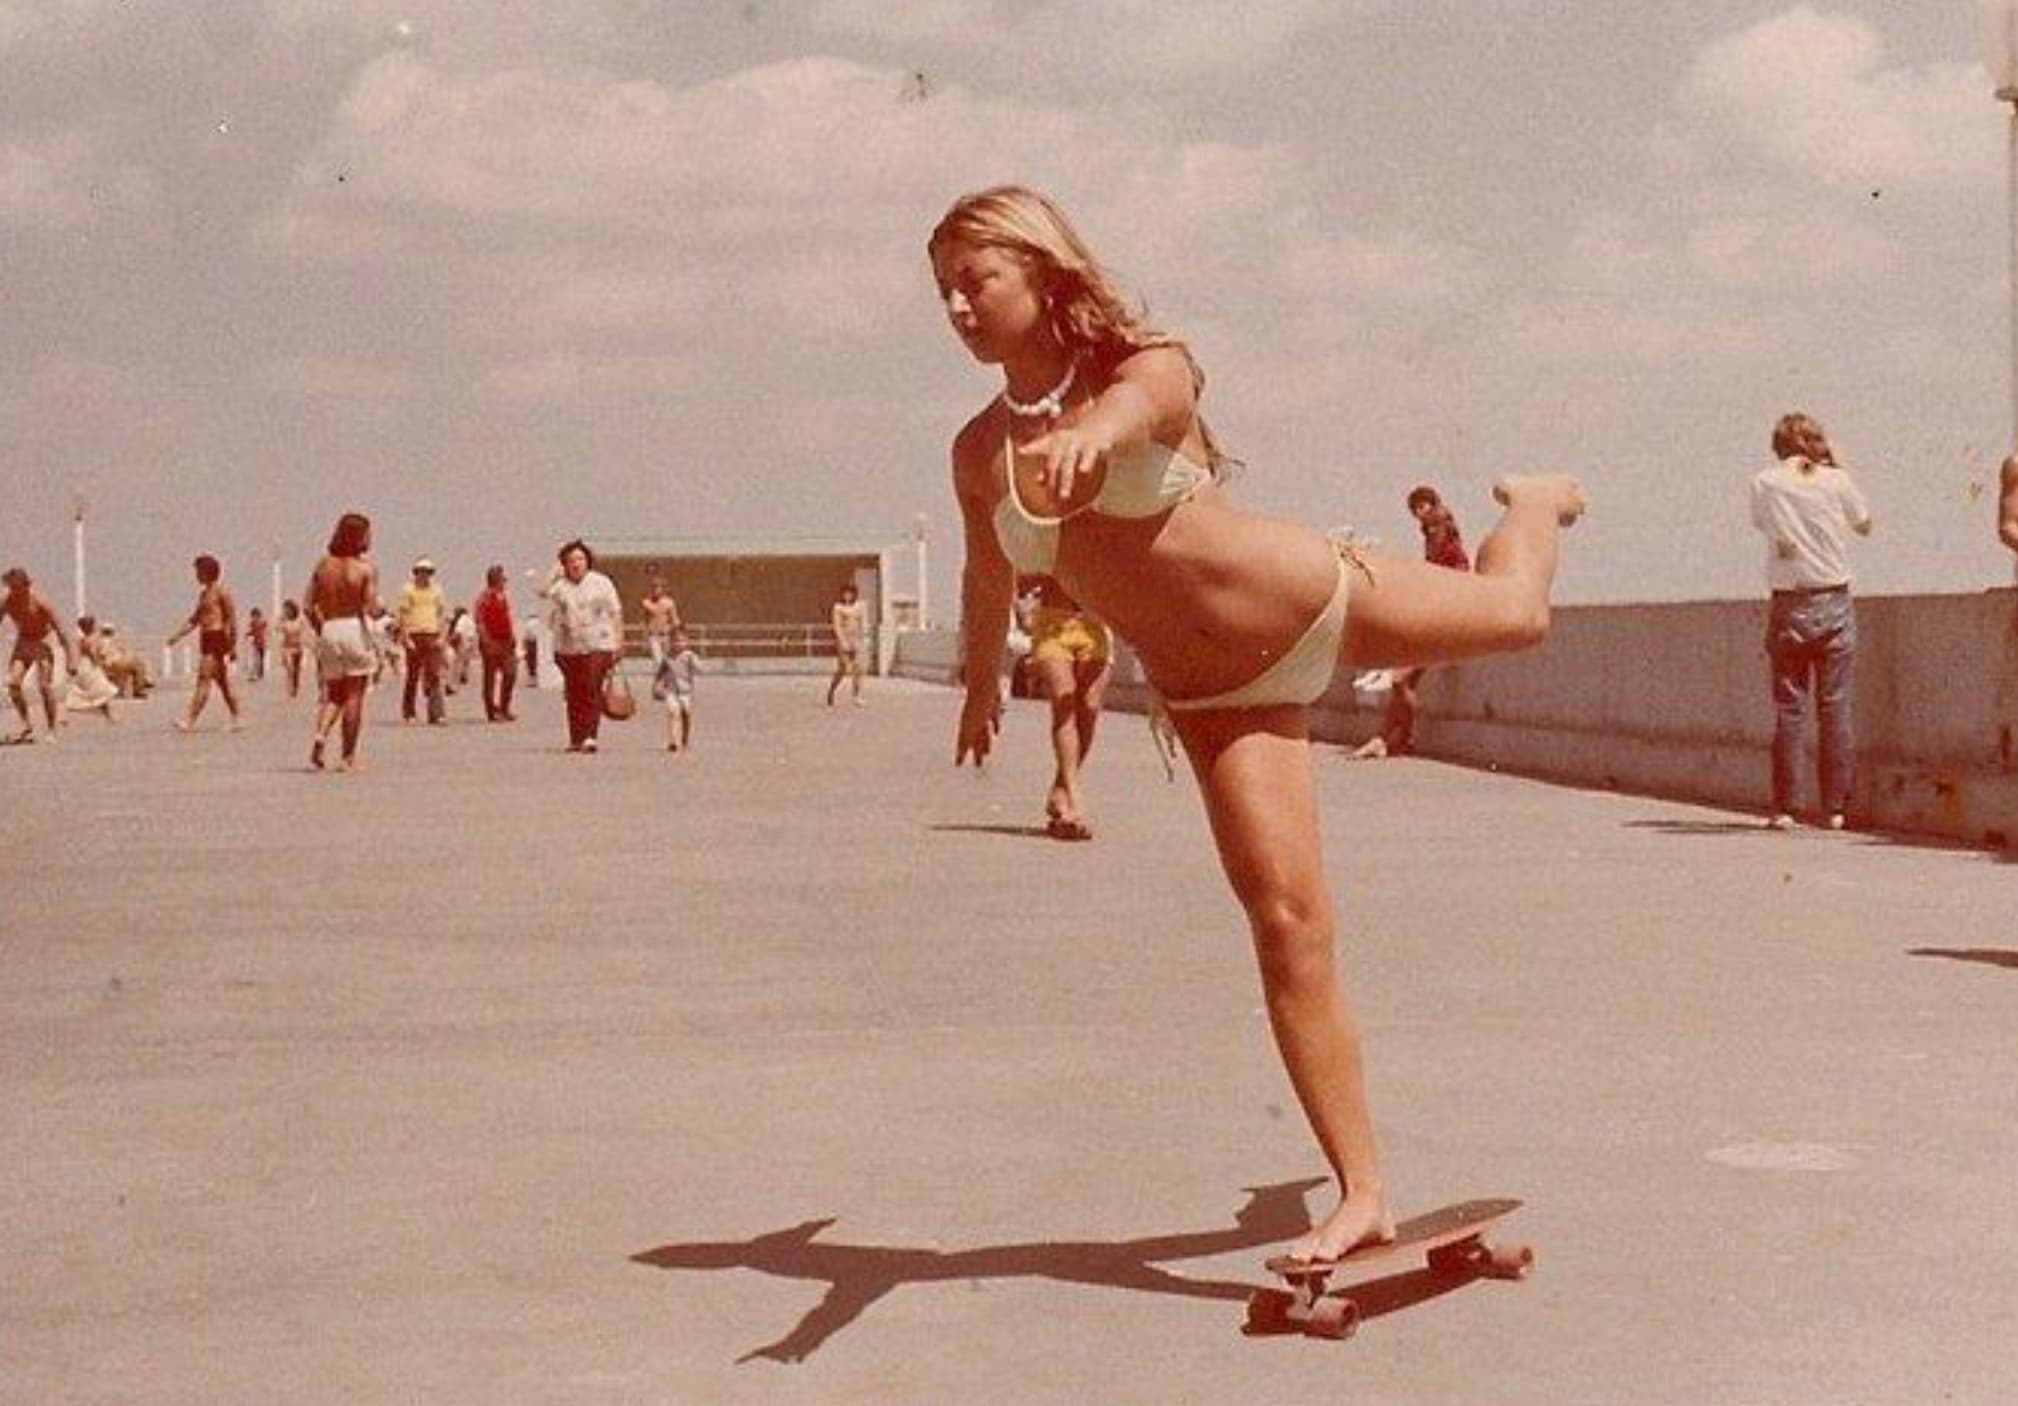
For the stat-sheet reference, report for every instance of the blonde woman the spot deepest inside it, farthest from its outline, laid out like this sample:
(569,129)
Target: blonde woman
(1092,466)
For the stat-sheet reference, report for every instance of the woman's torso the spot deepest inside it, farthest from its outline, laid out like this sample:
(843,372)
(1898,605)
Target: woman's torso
(1208,594)
(585,614)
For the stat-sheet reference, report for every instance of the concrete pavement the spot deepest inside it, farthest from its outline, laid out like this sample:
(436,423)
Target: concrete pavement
(800,1068)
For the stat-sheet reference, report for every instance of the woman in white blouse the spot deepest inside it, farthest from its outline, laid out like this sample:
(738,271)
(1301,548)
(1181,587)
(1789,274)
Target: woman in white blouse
(588,629)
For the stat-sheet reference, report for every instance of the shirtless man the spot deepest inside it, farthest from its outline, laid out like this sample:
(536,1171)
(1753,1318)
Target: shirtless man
(341,597)
(35,620)
(662,618)
(848,620)
(215,621)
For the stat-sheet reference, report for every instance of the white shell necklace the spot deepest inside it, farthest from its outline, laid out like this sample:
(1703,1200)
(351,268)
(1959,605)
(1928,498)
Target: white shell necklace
(1048,406)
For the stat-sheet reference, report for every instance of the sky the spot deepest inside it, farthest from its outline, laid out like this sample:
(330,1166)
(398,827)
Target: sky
(501,273)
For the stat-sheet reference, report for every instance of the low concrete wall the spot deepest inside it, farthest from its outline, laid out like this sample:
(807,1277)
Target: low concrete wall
(1672,700)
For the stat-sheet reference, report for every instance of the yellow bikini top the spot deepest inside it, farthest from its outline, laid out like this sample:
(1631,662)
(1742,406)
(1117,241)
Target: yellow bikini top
(1141,482)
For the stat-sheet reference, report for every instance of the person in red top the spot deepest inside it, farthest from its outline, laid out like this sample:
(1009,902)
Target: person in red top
(1442,545)
(496,639)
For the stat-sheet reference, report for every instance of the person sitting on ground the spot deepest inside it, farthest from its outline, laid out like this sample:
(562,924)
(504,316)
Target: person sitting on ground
(128,671)
(91,690)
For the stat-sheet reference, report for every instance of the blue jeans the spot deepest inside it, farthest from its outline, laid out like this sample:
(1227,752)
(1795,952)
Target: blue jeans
(1811,638)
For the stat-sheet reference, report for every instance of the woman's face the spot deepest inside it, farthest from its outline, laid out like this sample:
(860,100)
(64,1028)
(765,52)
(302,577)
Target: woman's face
(991,298)
(575,564)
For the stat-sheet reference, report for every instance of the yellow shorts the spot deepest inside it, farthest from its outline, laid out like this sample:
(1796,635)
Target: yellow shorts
(1070,636)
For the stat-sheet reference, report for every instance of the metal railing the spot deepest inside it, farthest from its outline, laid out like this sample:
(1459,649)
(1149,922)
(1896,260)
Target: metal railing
(748,640)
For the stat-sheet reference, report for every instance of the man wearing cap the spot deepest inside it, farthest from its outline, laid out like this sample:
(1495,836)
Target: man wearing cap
(420,615)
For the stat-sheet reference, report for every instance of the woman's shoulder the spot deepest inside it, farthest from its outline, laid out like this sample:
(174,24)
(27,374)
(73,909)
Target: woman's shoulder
(980,439)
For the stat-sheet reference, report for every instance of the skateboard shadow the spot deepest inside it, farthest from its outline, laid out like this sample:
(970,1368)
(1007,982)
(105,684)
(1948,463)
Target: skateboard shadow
(1986,956)
(857,1276)
(1017,832)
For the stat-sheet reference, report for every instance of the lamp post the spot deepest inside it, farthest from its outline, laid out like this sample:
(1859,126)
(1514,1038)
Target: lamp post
(77,506)
(1997,30)
(918,532)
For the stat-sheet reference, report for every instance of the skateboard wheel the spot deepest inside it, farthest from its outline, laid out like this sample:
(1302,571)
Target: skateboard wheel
(1510,1261)
(1268,1311)
(1334,1318)
(1461,1258)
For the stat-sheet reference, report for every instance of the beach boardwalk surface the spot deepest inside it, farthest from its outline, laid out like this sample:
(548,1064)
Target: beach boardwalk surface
(801,1068)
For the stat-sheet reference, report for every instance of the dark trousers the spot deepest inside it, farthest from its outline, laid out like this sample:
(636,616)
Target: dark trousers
(500,673)
(582,678)
(1398,729)
(423,662)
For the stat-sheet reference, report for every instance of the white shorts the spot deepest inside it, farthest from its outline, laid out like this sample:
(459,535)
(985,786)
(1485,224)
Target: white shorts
(343,649)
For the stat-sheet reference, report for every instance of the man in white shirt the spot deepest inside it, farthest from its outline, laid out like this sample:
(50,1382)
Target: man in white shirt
(1805,506)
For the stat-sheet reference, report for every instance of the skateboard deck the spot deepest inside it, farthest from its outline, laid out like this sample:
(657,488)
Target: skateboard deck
(1451,1241)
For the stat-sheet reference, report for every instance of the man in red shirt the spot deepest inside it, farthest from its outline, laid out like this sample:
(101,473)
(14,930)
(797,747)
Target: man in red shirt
(1442,545)
(496,638)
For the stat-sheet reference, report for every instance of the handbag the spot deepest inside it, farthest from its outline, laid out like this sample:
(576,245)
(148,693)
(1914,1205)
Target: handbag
(619,703)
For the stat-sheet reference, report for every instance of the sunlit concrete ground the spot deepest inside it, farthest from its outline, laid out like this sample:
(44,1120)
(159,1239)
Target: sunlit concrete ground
(800,1068)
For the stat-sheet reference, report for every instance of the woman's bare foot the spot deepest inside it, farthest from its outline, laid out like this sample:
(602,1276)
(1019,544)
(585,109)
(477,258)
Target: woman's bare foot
(1361,1219)
(1370,750)
(1560,491)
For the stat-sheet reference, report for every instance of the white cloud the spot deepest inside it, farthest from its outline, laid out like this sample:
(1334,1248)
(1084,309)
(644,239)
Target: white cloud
(1725,286)
(66,180)
(1812,93)
(1404,267)
(570,379)
(1139,39)
(604,213)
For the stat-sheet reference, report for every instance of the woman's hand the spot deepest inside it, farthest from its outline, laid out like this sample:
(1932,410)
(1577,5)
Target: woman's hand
(1071,453)
(980,721)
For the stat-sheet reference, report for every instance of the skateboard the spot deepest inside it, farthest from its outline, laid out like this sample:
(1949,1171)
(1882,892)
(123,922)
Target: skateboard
(1451,1240)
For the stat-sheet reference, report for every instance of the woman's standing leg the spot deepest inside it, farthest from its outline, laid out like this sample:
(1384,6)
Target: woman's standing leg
(354,689)
(1254,771)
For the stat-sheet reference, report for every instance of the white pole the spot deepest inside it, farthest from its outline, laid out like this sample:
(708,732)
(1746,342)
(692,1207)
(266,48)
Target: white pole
(918,536)
(273,609)
(77,548)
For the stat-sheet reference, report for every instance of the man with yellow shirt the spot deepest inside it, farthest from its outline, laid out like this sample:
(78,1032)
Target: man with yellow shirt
(421,615)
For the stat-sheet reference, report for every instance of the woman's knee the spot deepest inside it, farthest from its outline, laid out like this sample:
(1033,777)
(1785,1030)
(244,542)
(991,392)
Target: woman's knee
(1293,941)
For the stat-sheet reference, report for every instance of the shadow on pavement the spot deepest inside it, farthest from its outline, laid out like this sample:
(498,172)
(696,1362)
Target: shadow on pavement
(858,1275)
(1986,956)
(1017,832)
(1702,827)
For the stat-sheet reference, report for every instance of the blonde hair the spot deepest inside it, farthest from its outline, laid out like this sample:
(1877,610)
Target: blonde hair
(1090,314)
(1801,435)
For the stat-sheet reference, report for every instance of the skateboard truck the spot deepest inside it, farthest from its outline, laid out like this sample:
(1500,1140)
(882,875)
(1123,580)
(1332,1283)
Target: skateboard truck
(1452,1242)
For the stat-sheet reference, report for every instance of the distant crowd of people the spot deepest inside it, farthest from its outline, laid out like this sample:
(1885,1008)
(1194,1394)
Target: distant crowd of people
(357,640)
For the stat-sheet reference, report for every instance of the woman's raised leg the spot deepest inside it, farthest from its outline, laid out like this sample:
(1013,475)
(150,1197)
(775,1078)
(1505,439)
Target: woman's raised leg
(1254,770)
(1411,612)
